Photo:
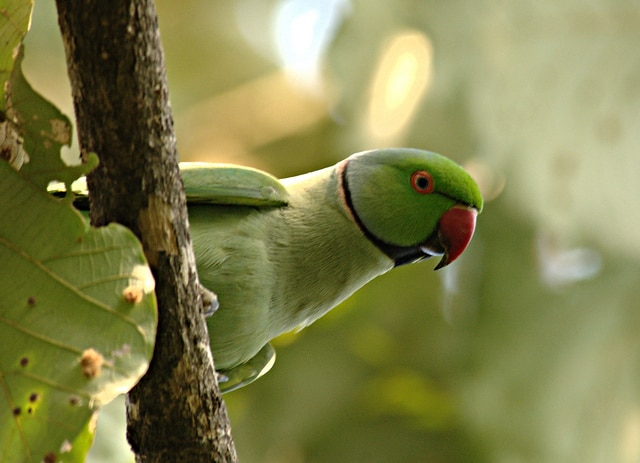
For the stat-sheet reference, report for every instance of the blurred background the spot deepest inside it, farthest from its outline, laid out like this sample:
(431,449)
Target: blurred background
(527,348)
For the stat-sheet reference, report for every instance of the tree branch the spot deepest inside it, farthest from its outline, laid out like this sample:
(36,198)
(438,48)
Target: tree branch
(116,67)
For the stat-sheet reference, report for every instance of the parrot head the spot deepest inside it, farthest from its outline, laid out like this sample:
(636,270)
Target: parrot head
(411,204)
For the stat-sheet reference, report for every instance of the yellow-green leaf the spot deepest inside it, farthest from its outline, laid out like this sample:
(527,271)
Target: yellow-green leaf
(77,320)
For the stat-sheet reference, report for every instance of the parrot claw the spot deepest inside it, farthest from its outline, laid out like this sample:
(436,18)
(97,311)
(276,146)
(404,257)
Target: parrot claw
(209,301)
(222,378)
(246,373)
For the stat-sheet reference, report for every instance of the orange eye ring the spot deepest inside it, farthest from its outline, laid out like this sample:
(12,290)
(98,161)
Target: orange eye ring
(422,182)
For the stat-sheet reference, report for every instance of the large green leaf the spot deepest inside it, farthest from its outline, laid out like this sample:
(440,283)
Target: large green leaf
(77,308)
(77,319)
(15,18)
(45,130)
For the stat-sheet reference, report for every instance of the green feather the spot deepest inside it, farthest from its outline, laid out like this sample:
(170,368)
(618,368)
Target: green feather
(206,183)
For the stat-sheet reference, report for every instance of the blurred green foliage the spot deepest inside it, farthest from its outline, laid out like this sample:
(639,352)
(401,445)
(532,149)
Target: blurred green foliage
(526,349)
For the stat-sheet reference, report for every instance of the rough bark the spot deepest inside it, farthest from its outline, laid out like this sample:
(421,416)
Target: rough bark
(116,67)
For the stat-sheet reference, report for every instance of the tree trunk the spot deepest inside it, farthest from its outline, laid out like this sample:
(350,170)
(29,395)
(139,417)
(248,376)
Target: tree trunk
(116,67)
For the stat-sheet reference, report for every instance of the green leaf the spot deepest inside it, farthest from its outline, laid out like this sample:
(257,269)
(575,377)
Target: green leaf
(45,130)
(15,19)
(80,447)
(77,320)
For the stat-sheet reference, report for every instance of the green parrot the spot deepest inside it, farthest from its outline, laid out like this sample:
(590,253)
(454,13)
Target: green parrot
(279,254)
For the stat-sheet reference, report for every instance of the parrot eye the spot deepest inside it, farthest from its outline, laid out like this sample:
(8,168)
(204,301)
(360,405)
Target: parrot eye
(422,182)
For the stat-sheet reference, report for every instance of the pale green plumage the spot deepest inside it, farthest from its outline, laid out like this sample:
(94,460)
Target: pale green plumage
(275,269)
(289,251)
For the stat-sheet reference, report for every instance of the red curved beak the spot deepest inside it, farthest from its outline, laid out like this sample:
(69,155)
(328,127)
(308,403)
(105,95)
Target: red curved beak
(455,231)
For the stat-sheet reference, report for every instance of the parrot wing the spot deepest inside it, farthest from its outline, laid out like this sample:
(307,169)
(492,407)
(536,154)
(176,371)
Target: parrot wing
(246,373)
(209,183)
(231,185)
(226,184)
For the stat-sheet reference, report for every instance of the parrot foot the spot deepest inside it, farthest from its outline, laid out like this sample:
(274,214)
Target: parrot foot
(246,373)
(209,301)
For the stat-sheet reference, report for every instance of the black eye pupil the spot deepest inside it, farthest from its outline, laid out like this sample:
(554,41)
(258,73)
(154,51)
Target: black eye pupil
(422,183)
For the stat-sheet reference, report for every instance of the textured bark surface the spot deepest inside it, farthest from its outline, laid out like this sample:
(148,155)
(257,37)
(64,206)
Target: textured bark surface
(116,67)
